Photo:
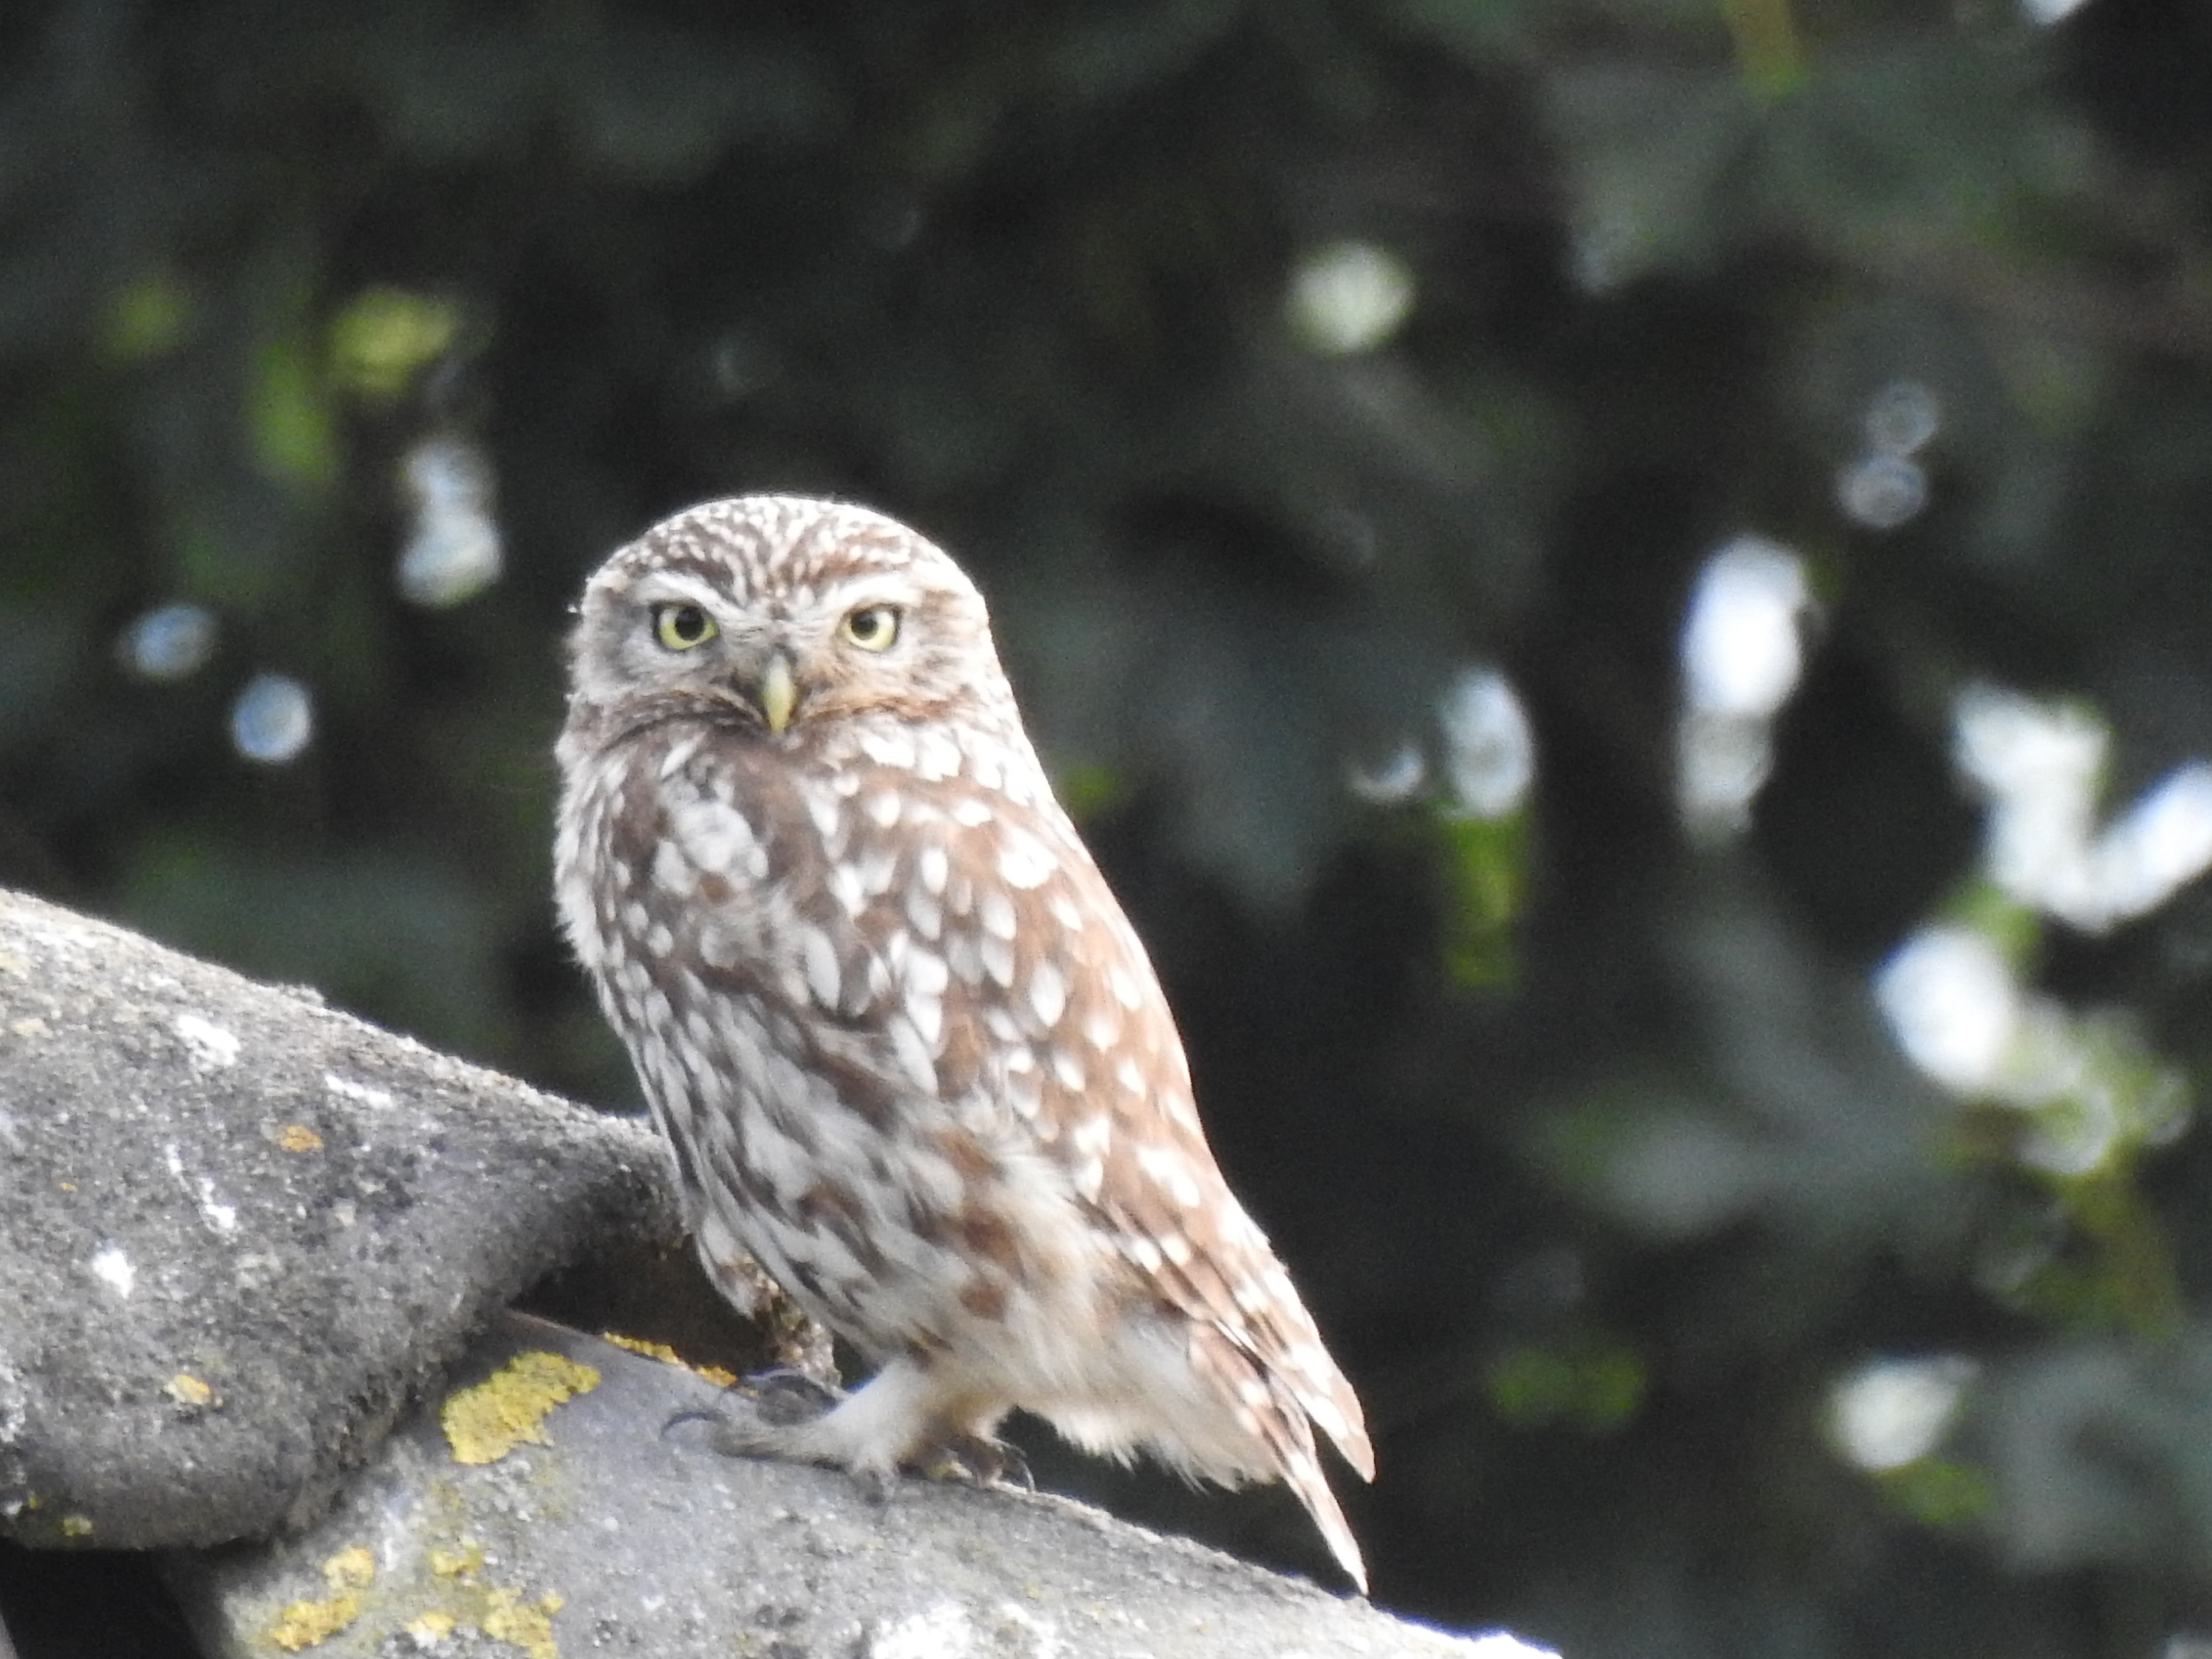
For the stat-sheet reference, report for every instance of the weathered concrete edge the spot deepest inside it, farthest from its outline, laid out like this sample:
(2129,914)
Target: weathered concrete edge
(100,1461)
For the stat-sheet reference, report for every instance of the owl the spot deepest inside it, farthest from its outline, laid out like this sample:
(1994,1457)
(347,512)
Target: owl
(906,1050)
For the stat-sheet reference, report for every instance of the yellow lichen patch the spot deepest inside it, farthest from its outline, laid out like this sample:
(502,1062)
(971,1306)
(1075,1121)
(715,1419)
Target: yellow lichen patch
(488,1420)
(351,1569)
(76,1526)
(525,1624)
(662,1351)
(298,1138)
(429,1629)
(457,1563)
(638,1344)
(303,1624)
(189,1391)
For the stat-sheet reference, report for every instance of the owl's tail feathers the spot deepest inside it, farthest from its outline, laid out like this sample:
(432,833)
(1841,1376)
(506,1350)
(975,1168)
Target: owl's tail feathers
(1335,1409)
(1338,1414)
(1302,1473)
(1280,1405)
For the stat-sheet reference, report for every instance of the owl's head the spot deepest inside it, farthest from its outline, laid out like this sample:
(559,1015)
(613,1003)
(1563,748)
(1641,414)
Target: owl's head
(783,612)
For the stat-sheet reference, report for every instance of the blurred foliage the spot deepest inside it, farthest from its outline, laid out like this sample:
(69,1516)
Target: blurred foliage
(1274,367)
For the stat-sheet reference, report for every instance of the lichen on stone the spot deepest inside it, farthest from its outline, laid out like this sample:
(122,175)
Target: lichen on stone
(304,1623)
(525,1624)
(667,1355)
(487,1419)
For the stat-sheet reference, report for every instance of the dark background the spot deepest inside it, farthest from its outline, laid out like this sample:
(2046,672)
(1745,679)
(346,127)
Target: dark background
(1579,1127)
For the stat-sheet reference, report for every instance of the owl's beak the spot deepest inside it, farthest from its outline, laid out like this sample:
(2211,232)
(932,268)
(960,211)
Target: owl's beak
(778,693)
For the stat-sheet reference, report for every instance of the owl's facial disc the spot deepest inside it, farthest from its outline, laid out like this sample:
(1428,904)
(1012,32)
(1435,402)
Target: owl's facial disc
(787,645)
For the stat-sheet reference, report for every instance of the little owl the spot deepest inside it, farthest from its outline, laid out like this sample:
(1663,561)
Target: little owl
(907,1051)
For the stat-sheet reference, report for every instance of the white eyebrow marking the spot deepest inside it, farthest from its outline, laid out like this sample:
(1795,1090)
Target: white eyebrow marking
(660,587)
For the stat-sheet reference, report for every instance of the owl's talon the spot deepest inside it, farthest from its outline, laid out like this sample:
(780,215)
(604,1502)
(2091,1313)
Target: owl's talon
(694,1414)
(748,1436)
(787,1397)
(978,1459)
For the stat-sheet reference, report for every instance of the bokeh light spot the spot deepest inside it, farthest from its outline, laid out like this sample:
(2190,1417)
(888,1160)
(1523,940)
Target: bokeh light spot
(1882,491)
(273,719)
(454,550)
(169,642)
(1891,1413)
(1349,297)
(1489,750)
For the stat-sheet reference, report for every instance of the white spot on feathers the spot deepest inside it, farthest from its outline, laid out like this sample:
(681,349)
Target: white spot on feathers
(718,838)
(933,865)
(926,973)
(1126,989)
(1024,860)
(1048,993)
(878,869)
(679,755)
(672,872)
(937,757)
(913,1055)
(926,915)
(1170,1171)
(889,747)
(819,959)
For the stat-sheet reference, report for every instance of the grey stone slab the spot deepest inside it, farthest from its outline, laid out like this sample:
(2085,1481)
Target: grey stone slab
(239,1232)
(615,1534)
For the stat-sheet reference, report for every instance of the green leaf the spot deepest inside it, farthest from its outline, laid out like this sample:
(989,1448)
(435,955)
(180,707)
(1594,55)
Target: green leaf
(290,421)
(1485,878)
(148,319)
(385,337)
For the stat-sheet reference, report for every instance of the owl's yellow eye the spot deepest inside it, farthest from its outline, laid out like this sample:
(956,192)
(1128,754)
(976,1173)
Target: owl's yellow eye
(680,626)
(872,627)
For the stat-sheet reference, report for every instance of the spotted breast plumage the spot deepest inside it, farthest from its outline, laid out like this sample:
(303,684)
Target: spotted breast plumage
(907,1051)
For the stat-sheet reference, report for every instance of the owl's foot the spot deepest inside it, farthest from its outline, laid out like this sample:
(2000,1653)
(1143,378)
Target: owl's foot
(775,1425)
(790,1413)
(775,1402)
(787,1396)
(979,1459)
